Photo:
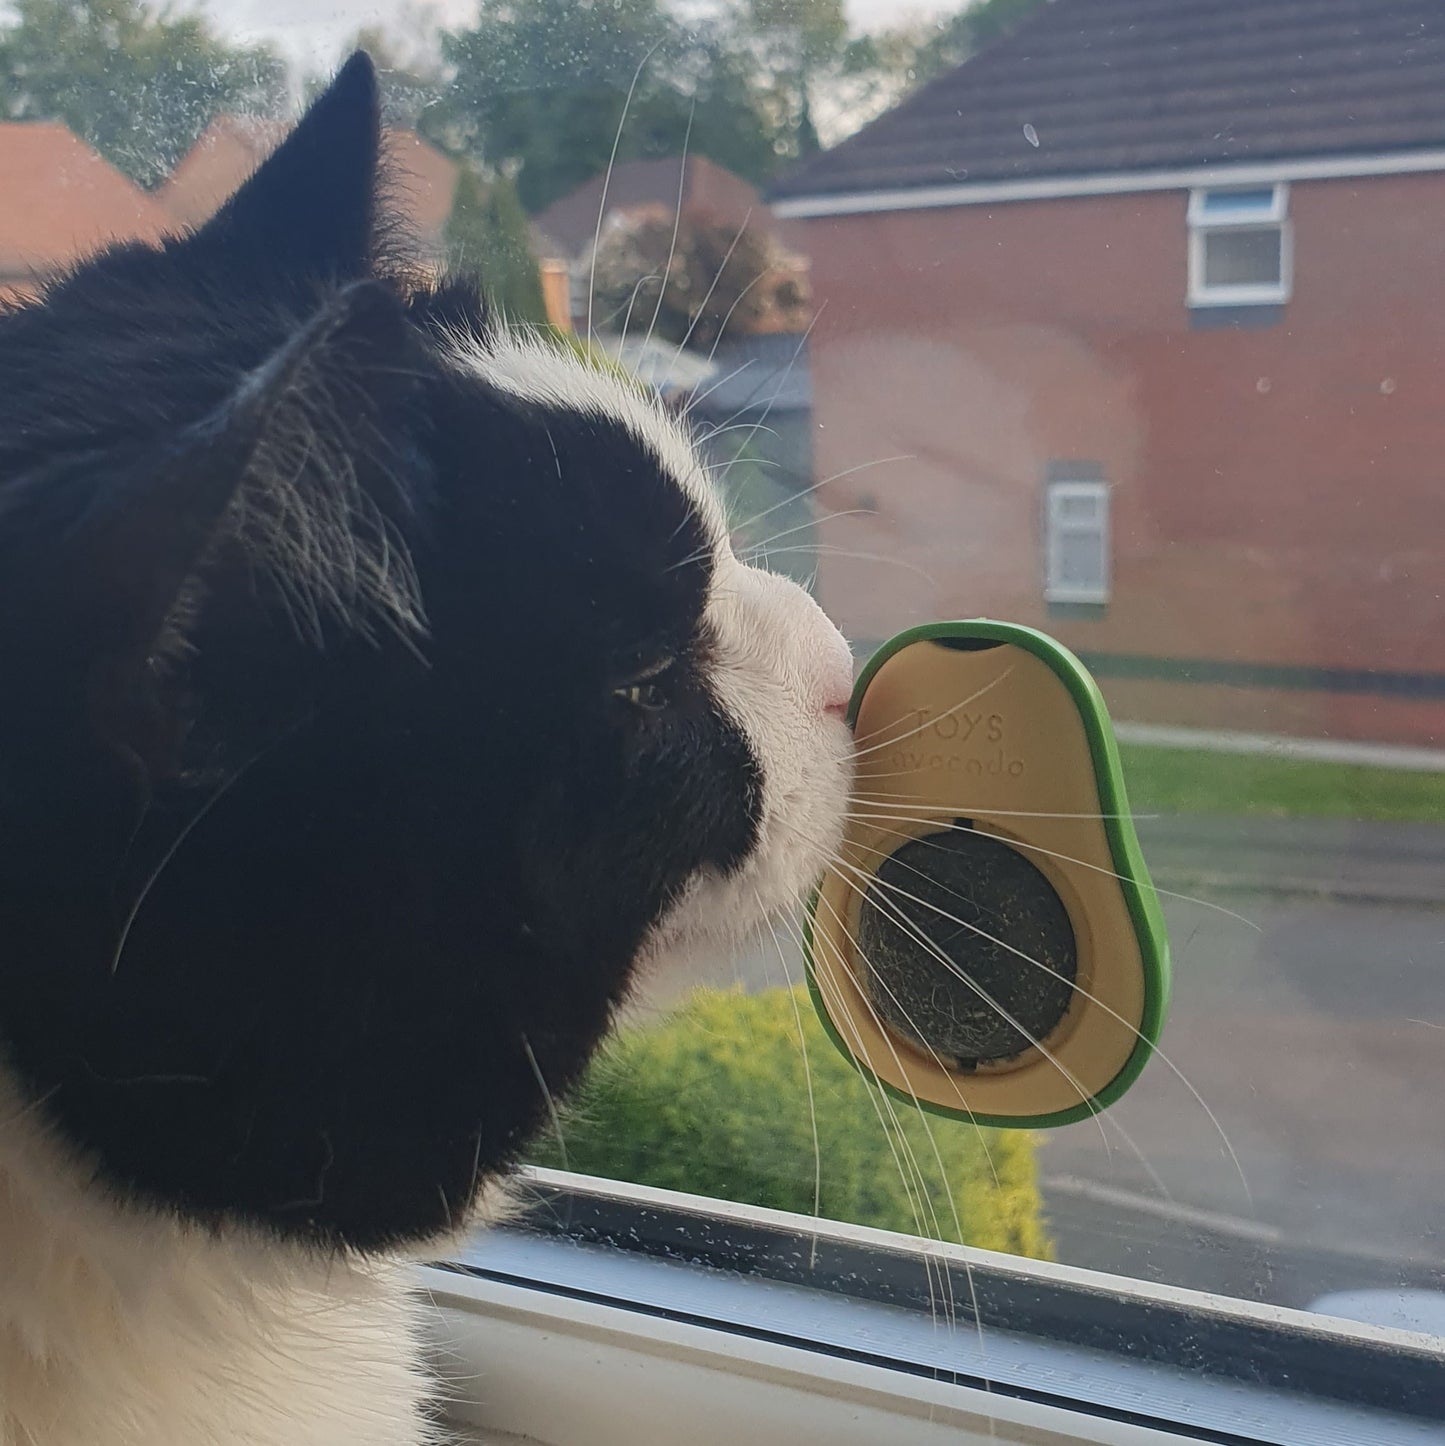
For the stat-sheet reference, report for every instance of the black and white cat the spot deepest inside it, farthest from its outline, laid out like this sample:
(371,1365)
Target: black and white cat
(379,688)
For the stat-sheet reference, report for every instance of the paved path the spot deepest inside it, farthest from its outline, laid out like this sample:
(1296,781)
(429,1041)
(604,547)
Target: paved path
(1392,863)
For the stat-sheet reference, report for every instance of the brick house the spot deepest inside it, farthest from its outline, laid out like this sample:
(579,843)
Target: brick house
(1151,297)
(59,201)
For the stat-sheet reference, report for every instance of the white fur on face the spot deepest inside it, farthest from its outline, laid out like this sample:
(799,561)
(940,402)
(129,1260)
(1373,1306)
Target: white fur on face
(539,371)
(783,673)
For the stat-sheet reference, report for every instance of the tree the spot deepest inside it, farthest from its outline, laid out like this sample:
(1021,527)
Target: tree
(138,85)
(990,20)
(912,54)
(712,276)
(795,40)
(539,90)
(415,89)
(487,236)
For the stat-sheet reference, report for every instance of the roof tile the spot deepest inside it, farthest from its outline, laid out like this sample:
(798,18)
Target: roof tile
(1132,85)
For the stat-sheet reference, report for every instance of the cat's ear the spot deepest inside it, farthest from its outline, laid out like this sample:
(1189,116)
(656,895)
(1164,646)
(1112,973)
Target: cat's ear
(310,210)
(129,557)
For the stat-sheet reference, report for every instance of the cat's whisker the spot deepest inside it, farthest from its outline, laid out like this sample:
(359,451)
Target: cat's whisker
(825,482)
(959,1235)
(948,827)
(910,1173)
(631,302)
(697,398)
(868,748)
(921,938)
(1119,1128)
(807,1073)
(892,800)
(787,372)
(871,880)
(963,1104)
(607,183)
(707,295)
(1101,1118)
(550,1100)
(737,301)
(676,224)
(823,549)
(727,317)
(190,827)
(723,428)
(804,527)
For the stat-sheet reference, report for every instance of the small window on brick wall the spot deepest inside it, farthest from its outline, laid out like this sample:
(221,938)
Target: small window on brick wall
(1239,247)
(1076,541)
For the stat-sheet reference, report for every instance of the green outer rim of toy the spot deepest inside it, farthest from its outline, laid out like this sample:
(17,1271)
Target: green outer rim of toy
(1139,895)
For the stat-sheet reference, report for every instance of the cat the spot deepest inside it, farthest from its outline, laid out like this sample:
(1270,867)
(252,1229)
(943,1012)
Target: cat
(380,694)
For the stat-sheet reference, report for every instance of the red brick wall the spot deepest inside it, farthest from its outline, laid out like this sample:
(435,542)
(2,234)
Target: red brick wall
(1279,493)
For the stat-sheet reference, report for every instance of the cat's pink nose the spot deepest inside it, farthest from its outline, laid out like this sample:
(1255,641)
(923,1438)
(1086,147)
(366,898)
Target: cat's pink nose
(837,676)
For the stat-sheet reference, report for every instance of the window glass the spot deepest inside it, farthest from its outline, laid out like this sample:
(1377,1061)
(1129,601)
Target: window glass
(890,267)
(1242,258)
(1236,205)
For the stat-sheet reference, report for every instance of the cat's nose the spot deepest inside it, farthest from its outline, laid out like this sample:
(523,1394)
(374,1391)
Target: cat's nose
(836,671)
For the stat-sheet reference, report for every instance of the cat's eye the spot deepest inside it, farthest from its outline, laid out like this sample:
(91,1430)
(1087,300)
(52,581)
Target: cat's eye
(649,696)
(650,690)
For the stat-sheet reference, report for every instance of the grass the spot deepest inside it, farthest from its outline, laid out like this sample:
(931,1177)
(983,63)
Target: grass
(1182,780)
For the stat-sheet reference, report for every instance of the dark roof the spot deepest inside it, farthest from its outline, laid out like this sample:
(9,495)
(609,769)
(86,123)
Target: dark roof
(1093,86)
(59,200)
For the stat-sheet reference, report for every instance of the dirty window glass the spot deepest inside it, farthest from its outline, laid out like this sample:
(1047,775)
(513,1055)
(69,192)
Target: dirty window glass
(903,271)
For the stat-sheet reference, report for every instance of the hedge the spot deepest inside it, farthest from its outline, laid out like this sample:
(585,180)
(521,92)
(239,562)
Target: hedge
(714,1100)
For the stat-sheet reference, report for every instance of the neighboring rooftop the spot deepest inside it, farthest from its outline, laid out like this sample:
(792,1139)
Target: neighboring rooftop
(568,226)
(1087,87)
(59,200)
(422,179)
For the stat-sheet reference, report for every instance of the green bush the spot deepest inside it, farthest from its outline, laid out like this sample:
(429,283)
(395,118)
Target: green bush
(714,1100)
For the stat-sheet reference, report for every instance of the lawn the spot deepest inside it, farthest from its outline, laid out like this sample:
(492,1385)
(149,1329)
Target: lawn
(1181,780)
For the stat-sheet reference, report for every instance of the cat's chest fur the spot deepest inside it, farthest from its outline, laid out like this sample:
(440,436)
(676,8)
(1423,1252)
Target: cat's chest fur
(123,1330)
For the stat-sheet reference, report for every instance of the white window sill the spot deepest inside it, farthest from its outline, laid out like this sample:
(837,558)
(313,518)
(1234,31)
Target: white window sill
(1244,296)
(657,1318)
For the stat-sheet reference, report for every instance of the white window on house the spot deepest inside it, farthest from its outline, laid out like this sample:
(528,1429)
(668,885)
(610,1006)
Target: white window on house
(1239,246)
(1076,542)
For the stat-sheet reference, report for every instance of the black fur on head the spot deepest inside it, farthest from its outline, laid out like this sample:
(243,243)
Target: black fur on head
(356,725)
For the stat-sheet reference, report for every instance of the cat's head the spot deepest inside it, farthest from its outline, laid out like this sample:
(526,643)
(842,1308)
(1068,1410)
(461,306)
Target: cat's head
(378,687)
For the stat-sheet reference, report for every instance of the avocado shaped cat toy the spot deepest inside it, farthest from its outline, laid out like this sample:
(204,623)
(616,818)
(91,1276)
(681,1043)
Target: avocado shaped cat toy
(989,943)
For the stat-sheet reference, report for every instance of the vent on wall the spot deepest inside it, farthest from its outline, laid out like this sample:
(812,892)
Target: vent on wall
(1076,536)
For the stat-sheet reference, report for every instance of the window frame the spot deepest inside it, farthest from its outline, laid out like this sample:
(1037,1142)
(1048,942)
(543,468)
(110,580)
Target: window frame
(673,1317)
(1063,489)
(1202,225)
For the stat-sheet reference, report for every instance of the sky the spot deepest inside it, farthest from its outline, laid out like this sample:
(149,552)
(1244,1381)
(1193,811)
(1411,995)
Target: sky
(312,32)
